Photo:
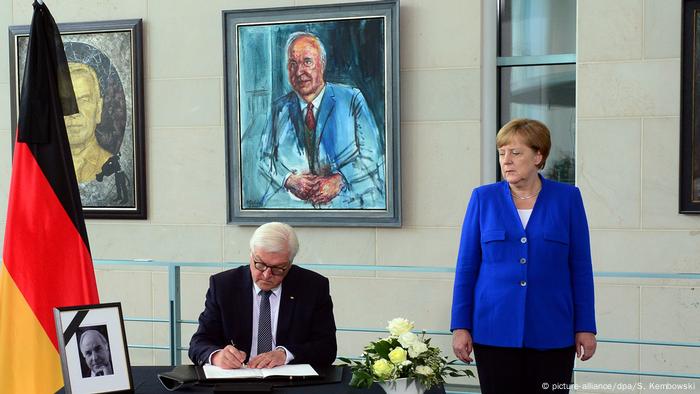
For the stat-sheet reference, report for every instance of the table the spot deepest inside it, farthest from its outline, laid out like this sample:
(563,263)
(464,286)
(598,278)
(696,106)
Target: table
(146,381)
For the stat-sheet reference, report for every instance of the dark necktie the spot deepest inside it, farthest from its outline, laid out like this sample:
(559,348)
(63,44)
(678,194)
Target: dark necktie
(310,120)
(265,323)
(310,142)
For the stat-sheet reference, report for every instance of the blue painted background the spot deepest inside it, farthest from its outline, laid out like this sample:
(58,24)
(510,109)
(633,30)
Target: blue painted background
(354,57)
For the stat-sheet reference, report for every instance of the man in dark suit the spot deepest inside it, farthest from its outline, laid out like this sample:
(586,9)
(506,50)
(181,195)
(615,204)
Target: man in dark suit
(268,313)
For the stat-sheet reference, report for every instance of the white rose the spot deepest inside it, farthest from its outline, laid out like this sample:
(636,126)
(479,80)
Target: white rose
(407,339)
(398,355)
(399,326)
(382,368)
(424,370)
(417,349)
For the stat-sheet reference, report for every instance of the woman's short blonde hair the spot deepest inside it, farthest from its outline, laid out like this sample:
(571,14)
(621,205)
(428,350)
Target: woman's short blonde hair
(532,132)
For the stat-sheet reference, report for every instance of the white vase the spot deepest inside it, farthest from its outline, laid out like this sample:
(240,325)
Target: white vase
(402,386)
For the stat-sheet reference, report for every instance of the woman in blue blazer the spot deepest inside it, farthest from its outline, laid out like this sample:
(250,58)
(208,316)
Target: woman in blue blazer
(523,291)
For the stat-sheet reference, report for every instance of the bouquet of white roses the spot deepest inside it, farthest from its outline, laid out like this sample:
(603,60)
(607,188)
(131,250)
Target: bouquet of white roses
(402,355)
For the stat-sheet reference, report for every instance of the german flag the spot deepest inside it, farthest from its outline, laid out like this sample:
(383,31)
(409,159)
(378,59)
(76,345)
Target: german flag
(46,256)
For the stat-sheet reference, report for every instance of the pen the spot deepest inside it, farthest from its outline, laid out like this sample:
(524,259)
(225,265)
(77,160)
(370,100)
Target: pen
(234,345)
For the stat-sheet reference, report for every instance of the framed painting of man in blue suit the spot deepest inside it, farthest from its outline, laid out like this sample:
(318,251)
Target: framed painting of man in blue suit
(312,114)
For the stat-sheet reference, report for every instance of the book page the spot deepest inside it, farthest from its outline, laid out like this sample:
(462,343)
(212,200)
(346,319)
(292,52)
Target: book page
(290,370)
(214,372)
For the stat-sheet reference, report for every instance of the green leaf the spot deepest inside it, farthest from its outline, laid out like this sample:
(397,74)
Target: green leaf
(356,381)
(361,379)
(383,348)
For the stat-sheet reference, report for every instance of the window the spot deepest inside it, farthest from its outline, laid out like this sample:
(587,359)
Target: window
(537,73)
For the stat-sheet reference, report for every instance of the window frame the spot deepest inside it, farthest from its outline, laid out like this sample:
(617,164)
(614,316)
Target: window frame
(522,61)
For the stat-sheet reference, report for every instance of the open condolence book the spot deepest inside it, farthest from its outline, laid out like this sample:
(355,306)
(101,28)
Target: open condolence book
(214,372)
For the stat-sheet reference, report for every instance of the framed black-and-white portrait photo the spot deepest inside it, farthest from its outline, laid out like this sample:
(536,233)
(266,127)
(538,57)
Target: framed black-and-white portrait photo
(106,137)
(92,344)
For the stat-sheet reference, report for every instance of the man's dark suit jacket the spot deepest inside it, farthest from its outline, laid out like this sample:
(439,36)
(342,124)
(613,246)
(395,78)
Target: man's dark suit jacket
(305,324)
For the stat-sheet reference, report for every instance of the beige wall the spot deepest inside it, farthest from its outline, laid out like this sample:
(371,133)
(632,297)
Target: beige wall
(627,168)
(628,108)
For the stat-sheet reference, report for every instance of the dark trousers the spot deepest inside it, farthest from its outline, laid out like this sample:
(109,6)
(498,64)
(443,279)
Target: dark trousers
(506,370)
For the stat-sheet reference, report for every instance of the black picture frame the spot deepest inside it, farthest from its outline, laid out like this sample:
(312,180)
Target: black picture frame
(689,184)
(361,42)
(95,332)
(111,170)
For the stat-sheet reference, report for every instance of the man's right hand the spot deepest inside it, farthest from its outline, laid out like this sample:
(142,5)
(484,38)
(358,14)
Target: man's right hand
(462,344)
(328,188)
(228,358)
(302,185)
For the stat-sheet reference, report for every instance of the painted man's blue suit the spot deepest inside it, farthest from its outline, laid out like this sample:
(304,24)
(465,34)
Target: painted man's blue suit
(347,141)
(530,287)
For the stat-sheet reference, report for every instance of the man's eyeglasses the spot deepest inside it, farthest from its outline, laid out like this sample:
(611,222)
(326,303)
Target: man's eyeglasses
(276,270)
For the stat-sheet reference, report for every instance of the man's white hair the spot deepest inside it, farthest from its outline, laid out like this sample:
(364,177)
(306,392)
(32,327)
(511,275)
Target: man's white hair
(275,237)
(296,35)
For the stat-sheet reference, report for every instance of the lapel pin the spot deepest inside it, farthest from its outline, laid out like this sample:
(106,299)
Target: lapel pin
(291,297)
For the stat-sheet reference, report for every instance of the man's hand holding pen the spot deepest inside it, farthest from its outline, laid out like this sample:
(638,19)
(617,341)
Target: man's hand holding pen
(229,358)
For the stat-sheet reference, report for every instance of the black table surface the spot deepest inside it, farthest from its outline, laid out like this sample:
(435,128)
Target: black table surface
(146,382)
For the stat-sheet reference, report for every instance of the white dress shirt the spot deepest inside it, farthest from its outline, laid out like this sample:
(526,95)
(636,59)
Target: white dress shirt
(316,102)
(274,314)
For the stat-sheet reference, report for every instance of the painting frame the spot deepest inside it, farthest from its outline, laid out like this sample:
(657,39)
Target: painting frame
(689,178)
(243,210)
(97,330)
(115,186)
